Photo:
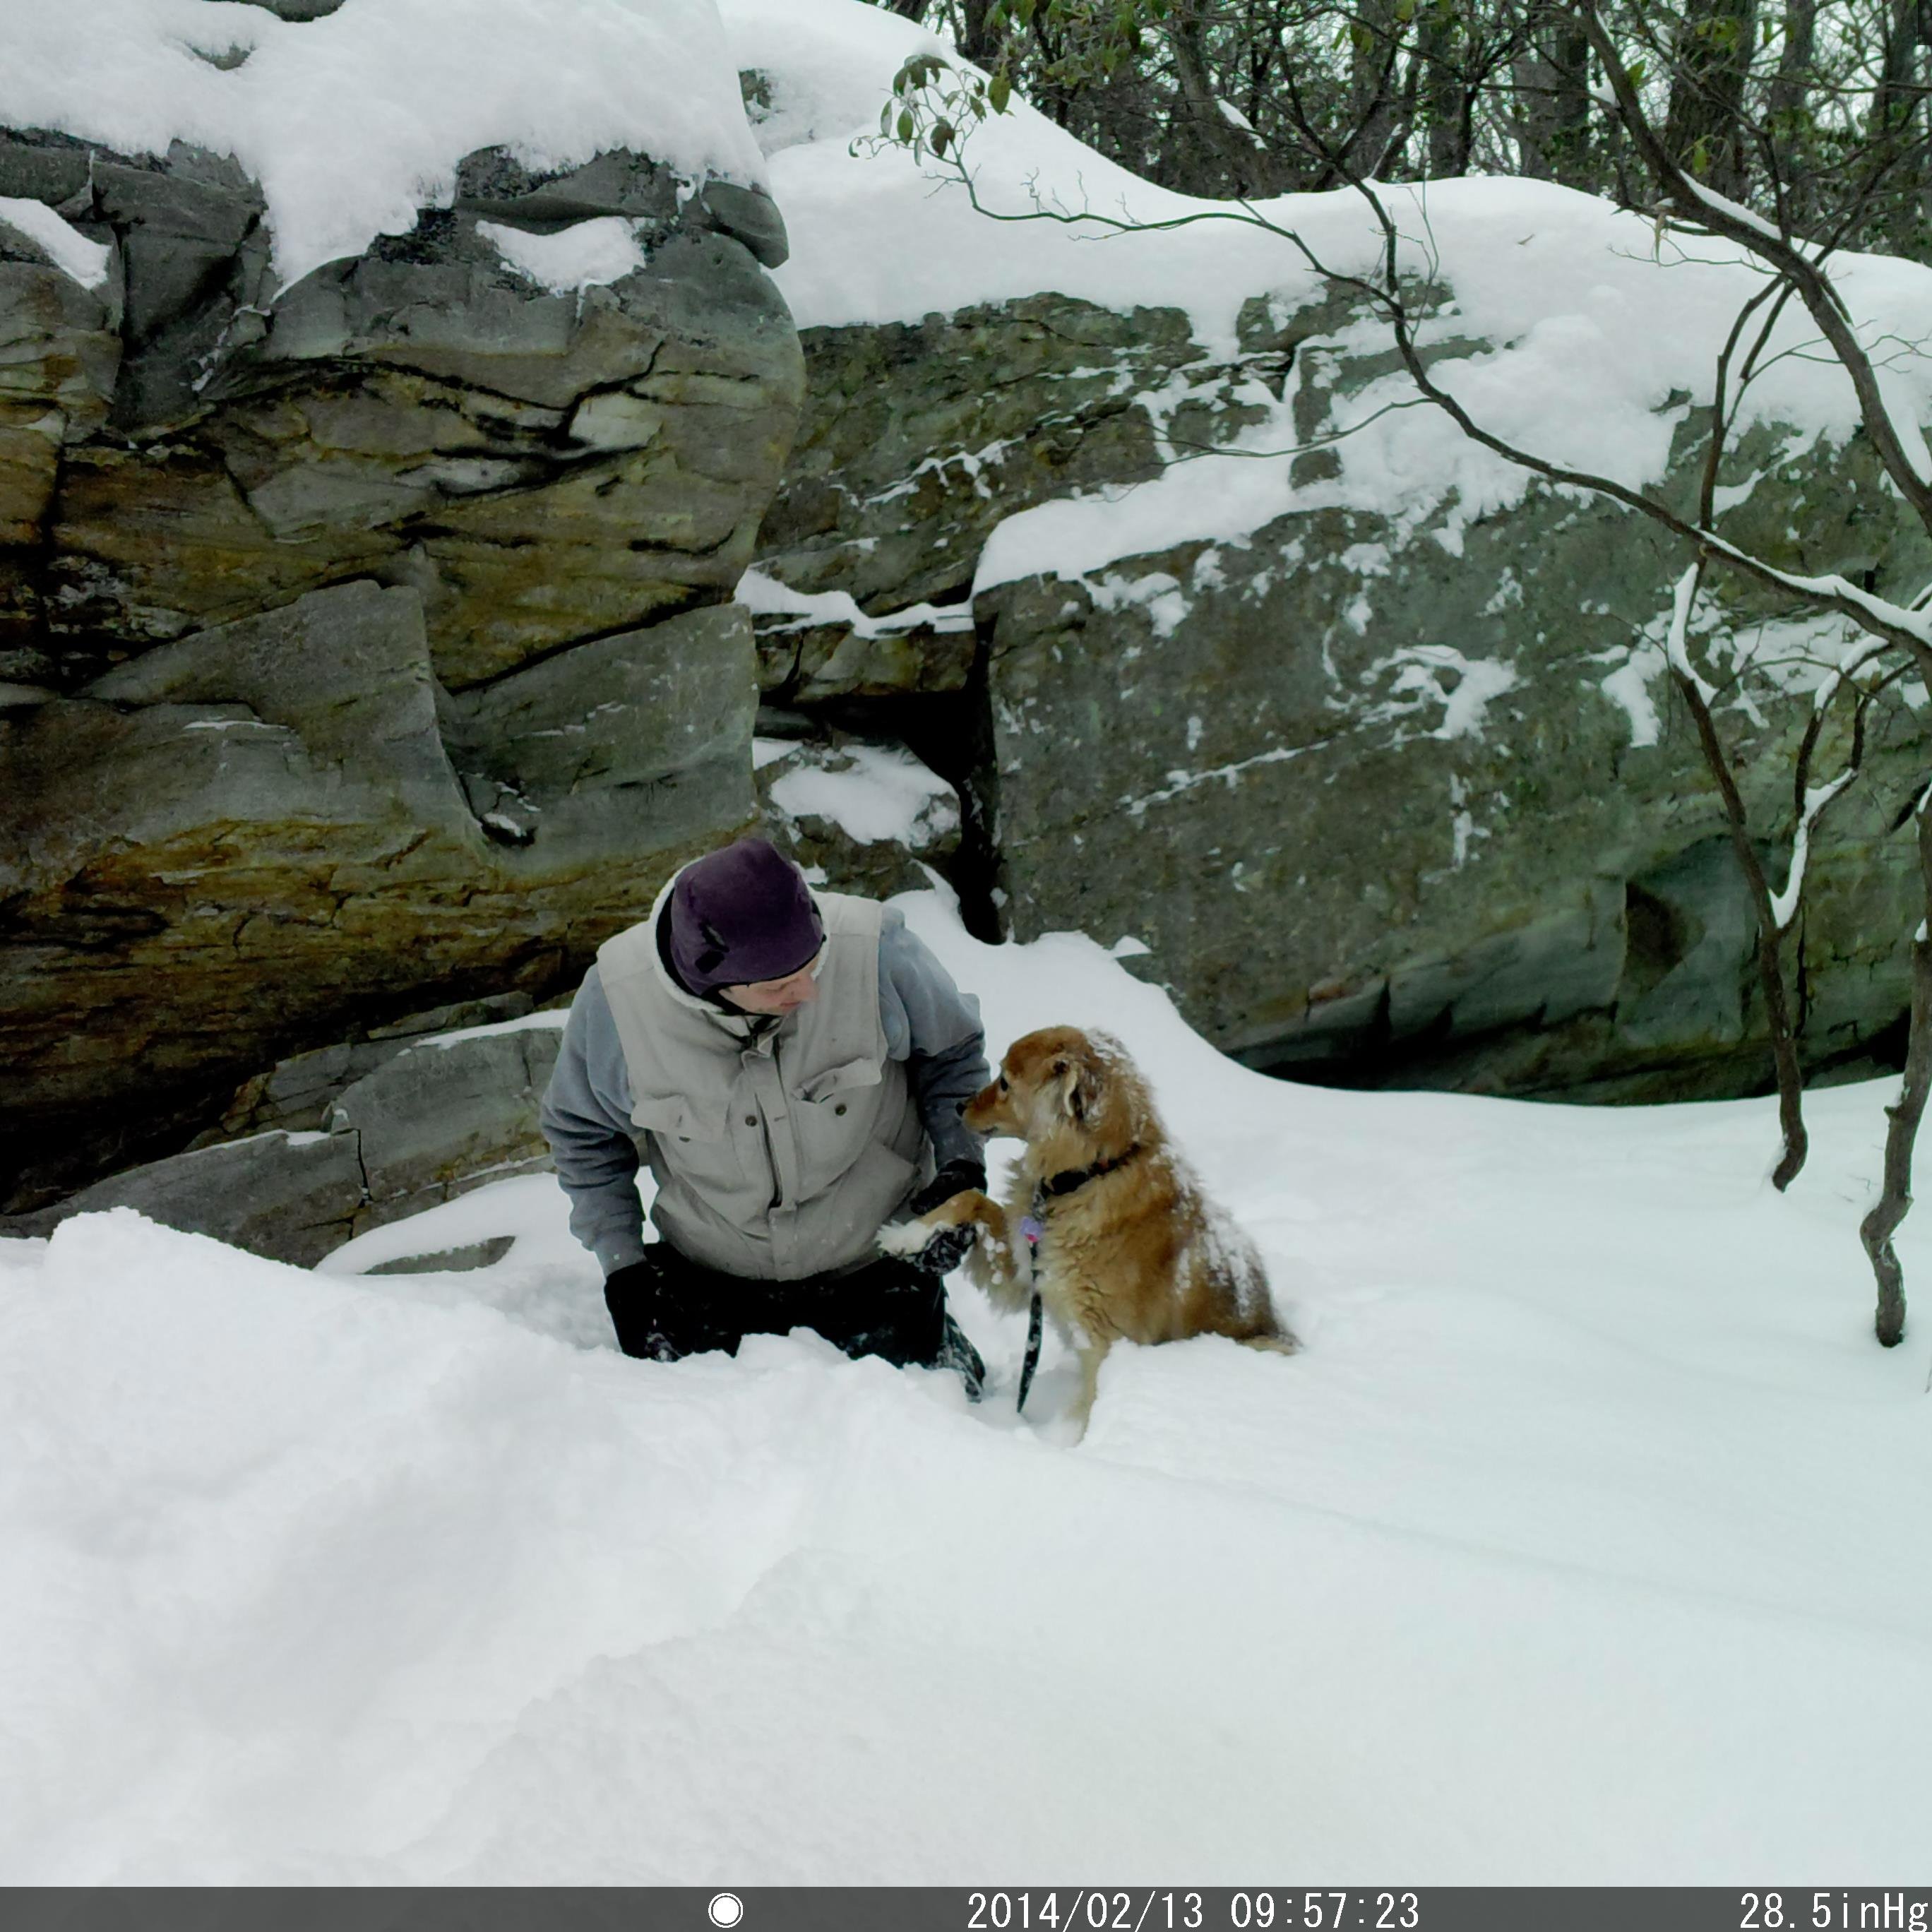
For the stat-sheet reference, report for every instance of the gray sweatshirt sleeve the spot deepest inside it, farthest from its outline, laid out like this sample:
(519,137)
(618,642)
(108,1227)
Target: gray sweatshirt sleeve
(585,1116)
(934,1028)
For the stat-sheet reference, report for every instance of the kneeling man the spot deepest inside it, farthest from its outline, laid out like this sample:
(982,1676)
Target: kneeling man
(794,1064)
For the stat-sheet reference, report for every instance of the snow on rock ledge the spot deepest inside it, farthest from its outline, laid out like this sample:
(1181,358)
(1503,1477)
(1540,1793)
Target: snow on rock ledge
(353,122)
(860,817)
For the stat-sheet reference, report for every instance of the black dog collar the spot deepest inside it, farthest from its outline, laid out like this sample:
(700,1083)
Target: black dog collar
(1068,1178)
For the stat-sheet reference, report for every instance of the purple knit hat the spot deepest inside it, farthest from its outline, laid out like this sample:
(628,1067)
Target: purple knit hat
(740,916)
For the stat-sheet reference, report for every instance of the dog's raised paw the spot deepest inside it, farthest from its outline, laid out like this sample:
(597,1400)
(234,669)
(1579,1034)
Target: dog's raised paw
(932,1249)
(906,1238)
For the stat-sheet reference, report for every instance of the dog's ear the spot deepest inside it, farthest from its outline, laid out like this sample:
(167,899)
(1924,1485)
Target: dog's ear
(1079,1088)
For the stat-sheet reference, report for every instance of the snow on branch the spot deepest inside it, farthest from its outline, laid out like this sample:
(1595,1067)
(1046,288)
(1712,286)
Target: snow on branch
(1676,648)
(1784,905)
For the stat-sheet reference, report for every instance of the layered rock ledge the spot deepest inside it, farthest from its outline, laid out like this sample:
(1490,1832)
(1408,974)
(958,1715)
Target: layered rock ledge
(364,643)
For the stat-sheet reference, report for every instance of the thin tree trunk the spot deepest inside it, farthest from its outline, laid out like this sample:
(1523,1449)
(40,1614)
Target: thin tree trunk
(1228,159)
(1550,80)
(1770,968)
(1374,102)
(1901,1132)
(1890,129)
(1791,140)
(1704,128)
(1764,911)
(1791,86)
(1530,83)
(1567,56)
(1439,49)
(976,43)
(1893,99)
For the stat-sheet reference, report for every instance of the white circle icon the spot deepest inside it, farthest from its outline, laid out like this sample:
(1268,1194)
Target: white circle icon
(726,1909)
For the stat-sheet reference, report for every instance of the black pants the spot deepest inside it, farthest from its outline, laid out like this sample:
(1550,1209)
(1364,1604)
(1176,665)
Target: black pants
(668,1306)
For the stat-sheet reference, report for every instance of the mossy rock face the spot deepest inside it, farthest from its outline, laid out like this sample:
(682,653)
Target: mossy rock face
(1389,802)
(1390,809)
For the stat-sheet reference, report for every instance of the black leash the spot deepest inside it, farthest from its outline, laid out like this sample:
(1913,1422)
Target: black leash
(1051,1188)
(1032,1355)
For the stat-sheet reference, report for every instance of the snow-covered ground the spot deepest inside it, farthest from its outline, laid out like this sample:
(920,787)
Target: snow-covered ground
(1586,1540)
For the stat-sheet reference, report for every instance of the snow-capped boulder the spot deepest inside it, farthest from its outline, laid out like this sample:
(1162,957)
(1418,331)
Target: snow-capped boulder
(1367,736)
(557,406)
(385,417)
(1397,814)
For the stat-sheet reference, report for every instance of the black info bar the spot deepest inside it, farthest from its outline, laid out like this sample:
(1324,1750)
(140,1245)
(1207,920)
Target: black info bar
(1071,1908)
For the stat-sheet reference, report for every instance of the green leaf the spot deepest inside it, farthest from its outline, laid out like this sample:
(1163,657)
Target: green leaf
(942,137)
(905,123)
(1000,92)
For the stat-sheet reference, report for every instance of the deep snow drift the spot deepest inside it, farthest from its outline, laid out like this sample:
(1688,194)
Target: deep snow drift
(1585,1541)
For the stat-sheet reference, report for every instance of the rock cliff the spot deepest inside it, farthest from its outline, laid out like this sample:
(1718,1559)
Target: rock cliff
(367,642)
(1388,800)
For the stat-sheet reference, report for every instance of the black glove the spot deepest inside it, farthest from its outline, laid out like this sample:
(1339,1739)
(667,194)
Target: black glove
(635,1298)
(956,1176)
(945,1251)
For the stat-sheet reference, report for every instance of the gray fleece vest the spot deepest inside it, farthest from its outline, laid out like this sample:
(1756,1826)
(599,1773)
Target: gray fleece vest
(779,1152)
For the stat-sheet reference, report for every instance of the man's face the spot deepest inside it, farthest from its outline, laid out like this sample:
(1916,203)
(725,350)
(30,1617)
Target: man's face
(779,996)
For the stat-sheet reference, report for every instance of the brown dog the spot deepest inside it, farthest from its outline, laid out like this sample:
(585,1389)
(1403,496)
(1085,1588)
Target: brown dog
(1129,1247)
